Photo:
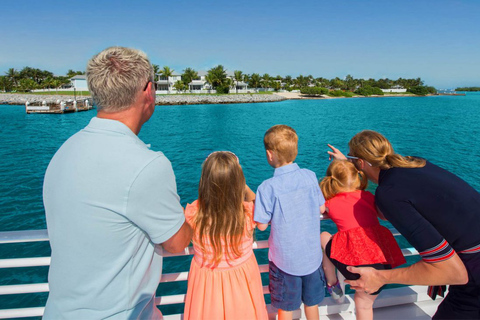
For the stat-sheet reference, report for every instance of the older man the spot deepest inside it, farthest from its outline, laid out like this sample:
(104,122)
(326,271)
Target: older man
(111,203)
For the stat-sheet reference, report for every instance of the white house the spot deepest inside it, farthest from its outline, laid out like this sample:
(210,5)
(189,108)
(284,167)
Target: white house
(396,89)
(165,85)
(199,85)
(79,82)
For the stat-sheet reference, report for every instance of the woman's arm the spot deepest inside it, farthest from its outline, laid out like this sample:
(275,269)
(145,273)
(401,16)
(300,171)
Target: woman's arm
(451,271)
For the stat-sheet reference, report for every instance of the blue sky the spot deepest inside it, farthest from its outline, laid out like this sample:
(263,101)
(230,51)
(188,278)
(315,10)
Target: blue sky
(437,40)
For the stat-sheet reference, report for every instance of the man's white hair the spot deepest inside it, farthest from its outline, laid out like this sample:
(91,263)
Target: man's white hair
(116,75)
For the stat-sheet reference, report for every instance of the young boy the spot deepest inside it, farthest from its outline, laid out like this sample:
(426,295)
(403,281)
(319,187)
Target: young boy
(290,202)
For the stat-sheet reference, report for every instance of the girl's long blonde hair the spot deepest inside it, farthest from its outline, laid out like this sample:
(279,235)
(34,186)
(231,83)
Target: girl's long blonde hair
(221,213)
(374,148)
(342,176)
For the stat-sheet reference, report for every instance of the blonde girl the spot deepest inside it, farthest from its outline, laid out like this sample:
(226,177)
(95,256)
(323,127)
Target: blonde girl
(224,280)
(360,240)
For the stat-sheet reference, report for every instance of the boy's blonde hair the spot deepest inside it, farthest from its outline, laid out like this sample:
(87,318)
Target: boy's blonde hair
(221,216)
(283,140)
(342,176)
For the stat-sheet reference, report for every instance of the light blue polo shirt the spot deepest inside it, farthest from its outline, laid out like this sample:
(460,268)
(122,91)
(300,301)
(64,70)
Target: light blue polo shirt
(291,201)
(108,200)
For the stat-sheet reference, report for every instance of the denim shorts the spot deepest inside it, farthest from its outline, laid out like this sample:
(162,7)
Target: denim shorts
(287,292)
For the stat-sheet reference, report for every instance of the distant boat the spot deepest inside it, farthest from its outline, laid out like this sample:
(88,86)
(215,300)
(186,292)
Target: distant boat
(59,106)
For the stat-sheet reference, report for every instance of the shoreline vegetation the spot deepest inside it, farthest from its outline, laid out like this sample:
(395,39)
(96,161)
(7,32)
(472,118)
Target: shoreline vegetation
(185,99)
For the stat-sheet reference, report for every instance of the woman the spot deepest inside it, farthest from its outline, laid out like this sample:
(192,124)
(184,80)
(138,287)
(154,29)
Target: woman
(436,211)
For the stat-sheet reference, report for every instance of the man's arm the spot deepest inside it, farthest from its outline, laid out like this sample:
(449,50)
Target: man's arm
(451,271)
(180,240)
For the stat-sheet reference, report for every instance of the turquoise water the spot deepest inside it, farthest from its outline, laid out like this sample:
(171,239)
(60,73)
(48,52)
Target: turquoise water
(442,129)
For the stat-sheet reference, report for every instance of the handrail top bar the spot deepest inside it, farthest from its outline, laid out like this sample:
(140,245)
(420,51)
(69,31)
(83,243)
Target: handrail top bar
(42,235)
(23,236)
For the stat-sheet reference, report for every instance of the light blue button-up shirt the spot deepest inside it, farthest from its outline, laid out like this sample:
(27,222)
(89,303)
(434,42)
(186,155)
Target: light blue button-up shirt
(290,201)
(108,201)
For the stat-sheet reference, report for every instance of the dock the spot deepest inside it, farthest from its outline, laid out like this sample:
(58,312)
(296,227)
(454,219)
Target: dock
(59,107)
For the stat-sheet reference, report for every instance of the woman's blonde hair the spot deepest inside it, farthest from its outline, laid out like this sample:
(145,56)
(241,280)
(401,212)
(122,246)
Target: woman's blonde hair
(374,148)
(221,215)
(342,176)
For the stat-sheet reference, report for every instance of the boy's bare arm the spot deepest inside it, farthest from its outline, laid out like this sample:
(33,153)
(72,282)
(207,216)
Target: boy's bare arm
(262,226)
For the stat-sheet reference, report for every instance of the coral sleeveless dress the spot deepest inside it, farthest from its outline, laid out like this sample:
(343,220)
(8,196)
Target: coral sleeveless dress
(361,239)
(230,290)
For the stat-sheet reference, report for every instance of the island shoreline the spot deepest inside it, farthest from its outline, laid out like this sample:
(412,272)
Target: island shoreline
(161,100)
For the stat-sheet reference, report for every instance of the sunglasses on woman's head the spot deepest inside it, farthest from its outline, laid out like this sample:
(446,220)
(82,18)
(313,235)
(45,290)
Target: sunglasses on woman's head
(349,157)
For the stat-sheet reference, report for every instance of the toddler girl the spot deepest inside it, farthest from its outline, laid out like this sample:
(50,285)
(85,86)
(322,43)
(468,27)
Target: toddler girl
(224,280)
(360,240)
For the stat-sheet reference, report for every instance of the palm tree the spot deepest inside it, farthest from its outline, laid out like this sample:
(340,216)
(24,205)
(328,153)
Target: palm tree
(266,81)
(13,75)
(47,83)
(254,81)
(27,84)
(156,69)
(218,77)
(56,84)
(301,81)
(238,75)
(167,72)
(6,83)
(189,75)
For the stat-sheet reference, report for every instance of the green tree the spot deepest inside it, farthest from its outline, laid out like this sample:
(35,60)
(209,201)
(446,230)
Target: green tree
(422,90)
(254,81)
(188,76)
(13,75)
(301,81)
(27,84)
(47,83)
(180,86)
(166,73)
(288,81)
(57,83)
(349,83)
(71,73)
(313,91)
(276,85)
(368,91)
(6,84)
(156,70)
(336,83)
(266,81)
(238,76)
(217,77)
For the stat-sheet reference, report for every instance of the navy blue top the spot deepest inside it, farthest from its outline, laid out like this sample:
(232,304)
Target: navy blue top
(432,208)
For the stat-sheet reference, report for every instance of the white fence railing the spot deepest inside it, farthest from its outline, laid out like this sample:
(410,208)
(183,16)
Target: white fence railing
(329,307)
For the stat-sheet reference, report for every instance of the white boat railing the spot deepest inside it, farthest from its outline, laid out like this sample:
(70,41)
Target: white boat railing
(328,306)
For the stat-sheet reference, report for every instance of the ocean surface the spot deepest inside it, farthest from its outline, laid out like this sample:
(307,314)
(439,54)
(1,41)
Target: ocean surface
(442,129)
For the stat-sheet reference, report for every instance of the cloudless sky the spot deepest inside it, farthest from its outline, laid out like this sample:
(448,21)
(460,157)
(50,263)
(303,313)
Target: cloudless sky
(437,40)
